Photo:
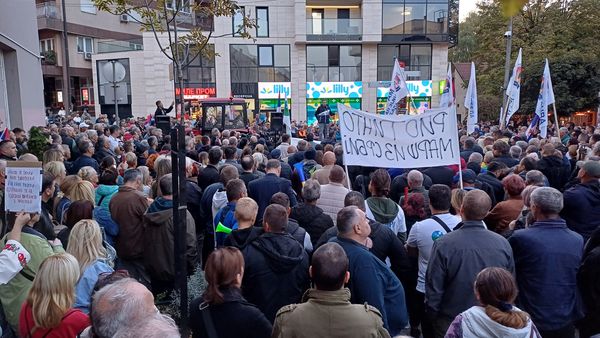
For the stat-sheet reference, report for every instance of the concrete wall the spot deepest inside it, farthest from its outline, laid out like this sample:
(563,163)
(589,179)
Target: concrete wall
(22,87)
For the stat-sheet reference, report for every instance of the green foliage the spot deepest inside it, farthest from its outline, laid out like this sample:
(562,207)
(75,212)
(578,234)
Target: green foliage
(565,32)
(38,142)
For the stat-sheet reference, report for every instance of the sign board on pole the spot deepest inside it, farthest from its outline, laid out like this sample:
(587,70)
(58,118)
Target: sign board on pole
(399,141)
(23,187)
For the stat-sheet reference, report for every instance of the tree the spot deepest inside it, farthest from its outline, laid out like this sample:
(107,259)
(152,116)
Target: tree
(163,17)
(563,31)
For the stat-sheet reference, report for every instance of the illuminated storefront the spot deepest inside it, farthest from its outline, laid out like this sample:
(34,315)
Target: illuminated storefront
(419,99)
(348,93)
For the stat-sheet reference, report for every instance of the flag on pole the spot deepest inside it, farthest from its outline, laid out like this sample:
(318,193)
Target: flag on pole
(513,90)
(471,101)
(447,98)
(286,116)
(545,98)
(532,127)
(398,89)
(5,135)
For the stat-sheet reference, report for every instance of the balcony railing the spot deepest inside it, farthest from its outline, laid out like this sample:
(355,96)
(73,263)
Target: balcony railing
(333,29)
(48,9)
(113,46)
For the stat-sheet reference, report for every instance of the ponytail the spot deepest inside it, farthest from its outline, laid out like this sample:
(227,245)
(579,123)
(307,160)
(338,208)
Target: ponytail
(515,319)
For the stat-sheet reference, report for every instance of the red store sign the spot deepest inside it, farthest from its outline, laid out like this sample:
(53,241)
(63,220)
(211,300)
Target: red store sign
(197,93)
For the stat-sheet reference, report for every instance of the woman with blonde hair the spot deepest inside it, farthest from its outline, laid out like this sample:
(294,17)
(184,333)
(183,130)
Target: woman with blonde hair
(82,191)
(57,169)
(89,174)
(162,166)
(52,155)
(456,200)
(48,310)
(496,317)
(146,180)
(85,244)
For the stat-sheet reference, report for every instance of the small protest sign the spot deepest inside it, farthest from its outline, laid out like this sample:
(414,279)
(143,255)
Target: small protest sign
(405,141)
(23,187)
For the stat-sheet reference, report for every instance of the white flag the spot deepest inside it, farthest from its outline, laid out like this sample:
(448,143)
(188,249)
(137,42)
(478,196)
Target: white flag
(398,89)
(471,101)
(513,90)
(447,98)
(545,99)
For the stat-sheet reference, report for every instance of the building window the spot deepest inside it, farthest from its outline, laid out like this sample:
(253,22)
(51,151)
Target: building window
(262,22)
(238,21)
(260,63)
(201,70)
(333,63)
(184,5)
(416,17)
(46,45)
(416,59)
(87,6)
(85,44)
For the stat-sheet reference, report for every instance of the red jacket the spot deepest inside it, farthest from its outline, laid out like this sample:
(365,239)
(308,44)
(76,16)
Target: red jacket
(72,324)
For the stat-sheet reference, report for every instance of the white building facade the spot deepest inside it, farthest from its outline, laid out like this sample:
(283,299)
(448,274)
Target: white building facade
(305,51)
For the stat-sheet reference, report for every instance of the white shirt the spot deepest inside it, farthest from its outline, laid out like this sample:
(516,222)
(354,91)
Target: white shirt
(12,259)
(114,142)
(421,237)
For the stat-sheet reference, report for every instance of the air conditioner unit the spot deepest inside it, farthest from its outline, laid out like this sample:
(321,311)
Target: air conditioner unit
(124,18)
(87,56)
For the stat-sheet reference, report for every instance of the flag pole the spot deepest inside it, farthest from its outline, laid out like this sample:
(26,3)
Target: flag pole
(555,119)
(348,177)
(460,179)
(408,90)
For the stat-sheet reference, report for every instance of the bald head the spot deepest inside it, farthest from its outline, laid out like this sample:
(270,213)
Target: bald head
(329,158)
(476,205)
(336,174)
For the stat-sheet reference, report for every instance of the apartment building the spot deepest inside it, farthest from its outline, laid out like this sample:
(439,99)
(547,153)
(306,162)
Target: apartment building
(307,51)
(21,101)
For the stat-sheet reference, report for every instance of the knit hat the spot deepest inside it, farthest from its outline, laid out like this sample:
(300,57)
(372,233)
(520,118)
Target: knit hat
(276,154)
(592,168)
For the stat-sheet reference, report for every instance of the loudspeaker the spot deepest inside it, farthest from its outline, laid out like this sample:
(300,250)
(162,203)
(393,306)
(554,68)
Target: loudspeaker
(163,122)
(277,121)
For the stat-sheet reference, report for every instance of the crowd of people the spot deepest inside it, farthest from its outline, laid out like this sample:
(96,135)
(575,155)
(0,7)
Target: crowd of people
(293,245)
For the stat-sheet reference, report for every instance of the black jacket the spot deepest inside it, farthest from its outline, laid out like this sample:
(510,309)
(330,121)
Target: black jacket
(440,175)
(193,195)
(262,189)
(509,161)
(208,176)
(234,318)
(103,153)
(276,272)
(556,171)
(495,184)
(581,208)
(241,238)
(84,161)
(588,280)
(248,177)
(312,219)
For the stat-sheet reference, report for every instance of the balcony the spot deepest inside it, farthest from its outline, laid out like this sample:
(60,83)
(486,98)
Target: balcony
(49,15)
(333,29)
(115,46)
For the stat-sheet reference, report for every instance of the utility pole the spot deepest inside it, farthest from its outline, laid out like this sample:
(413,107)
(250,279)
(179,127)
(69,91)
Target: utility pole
(66,75)
(508,36)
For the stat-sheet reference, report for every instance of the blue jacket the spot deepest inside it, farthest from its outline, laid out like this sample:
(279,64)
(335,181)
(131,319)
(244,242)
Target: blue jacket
(85,285)
(581,210)
(371,281)
(83,161)
(105,221)
(547,257)
(225,216)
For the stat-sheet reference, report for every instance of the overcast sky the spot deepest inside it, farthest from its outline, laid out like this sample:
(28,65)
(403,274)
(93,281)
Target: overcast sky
(466,7)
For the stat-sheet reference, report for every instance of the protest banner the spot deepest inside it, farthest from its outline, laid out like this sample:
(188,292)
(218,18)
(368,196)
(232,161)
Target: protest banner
(23,187)
(405,141)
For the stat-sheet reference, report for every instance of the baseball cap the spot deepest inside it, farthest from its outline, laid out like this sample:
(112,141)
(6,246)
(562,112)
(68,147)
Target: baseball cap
(83,125)
(275,153)
(469,176)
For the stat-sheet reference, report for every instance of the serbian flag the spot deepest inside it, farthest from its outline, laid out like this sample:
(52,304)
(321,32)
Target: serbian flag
(5,135)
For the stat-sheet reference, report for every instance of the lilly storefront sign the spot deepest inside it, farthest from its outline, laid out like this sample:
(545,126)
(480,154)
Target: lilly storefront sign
(332,90)
(274,90)
(416,89)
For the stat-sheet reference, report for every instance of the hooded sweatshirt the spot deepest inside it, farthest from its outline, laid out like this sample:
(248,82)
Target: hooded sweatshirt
(274,259)
(241,238)
(159,241)
(386,212)
(104,193)
(475,323)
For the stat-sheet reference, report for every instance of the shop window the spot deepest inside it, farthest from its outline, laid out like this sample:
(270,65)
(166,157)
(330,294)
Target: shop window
(416,58)
(333,63)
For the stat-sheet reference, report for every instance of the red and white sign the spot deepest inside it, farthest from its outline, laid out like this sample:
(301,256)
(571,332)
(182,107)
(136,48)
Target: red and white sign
(197,93)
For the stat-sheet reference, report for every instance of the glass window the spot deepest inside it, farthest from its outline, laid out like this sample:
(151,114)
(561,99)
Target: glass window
(244,75)
(282,74)
(317,16)
(437,18)
(238,20)
(85,44)
(420,55)
(351,73)
(244,55)
(393,18)
(334,74)
(266,74)
(262,21)
(414,19)
(386,55)
(265,56)
(334,56)
(46,45)
(282,55)
(316,56)
(350,55)
(87,6)
(316,74)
